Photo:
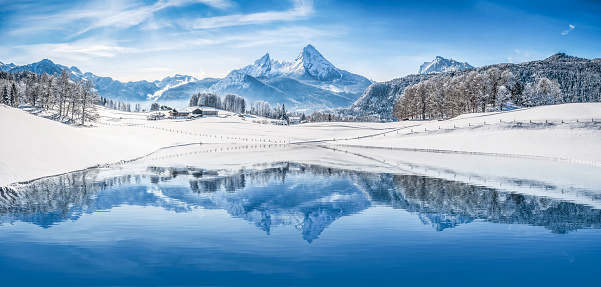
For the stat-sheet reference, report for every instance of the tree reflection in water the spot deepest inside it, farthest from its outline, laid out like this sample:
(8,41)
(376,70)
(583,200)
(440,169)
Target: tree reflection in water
(309,197)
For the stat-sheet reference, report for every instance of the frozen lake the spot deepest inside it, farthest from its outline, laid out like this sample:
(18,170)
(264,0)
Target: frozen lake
(296,223)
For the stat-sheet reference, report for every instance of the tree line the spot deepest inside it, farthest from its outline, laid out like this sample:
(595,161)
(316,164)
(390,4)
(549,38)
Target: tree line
(72,101)
(449,95)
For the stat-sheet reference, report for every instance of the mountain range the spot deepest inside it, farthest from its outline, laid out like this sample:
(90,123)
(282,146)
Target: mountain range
(308,83)
(441,65)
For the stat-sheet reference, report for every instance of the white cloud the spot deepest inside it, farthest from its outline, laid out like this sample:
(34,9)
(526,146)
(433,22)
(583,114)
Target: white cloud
(156,69)
(80,50)
(301,9)
(570,29)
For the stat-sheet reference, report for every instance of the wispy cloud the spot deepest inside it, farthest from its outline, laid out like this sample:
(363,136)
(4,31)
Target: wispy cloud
(570,29)
(101,14)
(263,37)
(300,10)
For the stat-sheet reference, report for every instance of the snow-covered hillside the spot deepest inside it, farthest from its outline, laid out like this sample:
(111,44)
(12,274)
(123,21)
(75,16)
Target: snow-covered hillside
(442,65)
(34,147)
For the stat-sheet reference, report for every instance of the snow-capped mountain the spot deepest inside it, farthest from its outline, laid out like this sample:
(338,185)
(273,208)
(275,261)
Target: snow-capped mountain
(312,68)
(263,67)
(309,65)
(310,82)
(41,67)
(441,65)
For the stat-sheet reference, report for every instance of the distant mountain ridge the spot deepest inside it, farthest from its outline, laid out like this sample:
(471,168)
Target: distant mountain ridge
(6,67)
(105,86)
(308,83)
(579,80)
(442,65)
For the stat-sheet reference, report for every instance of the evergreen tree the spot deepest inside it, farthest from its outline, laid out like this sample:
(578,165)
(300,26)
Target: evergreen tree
(283,113)
(517,93)
(14,96)
(5,96)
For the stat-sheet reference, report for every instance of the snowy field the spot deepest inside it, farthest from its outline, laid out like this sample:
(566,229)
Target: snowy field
(34,147)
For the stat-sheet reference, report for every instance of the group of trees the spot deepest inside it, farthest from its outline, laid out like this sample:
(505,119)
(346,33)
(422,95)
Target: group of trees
(263,109)
(447,96)
(579,82)
(72,101)
(231,102)
(237,104)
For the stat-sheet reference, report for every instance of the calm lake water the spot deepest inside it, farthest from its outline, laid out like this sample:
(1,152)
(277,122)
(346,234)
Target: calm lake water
(290,224)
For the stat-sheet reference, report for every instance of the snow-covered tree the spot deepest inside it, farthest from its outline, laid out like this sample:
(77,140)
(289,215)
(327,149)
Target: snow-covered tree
(87,100)
(71,99)
(209,100)
(447,96)
(503,95)
(234,103)
(261,109)
(543,92)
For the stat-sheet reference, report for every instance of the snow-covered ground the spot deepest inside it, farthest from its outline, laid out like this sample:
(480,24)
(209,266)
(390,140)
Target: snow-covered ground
(34,147)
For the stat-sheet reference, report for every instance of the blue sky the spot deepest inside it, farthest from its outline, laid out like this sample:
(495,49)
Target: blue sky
(382,40)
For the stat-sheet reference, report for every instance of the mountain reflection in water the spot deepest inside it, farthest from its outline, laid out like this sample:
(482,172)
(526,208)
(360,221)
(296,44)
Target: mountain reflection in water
(308,197)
